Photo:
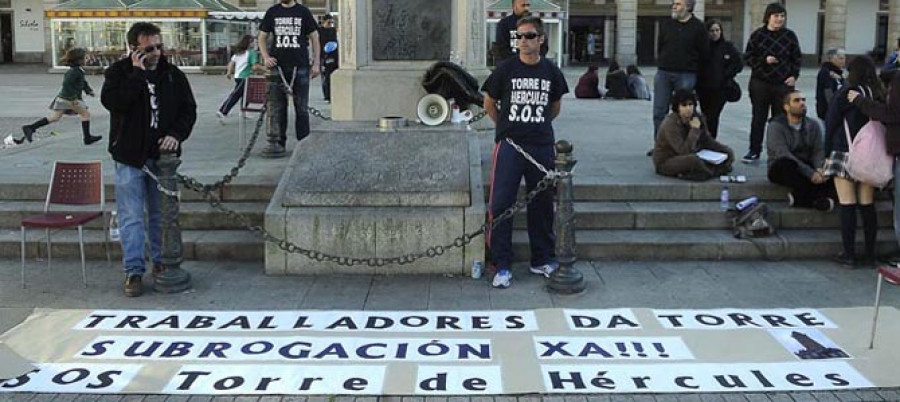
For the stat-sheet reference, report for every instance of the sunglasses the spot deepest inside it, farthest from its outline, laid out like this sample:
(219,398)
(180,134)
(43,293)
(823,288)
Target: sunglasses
(150,48)
(527,35)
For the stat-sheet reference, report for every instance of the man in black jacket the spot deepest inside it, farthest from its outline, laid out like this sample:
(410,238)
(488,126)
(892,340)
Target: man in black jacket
(151,110)
(683,47)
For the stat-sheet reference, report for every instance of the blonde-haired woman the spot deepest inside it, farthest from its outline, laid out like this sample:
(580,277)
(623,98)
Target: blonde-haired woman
(69,100)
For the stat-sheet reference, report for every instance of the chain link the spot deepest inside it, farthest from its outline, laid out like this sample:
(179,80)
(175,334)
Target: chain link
(316,112)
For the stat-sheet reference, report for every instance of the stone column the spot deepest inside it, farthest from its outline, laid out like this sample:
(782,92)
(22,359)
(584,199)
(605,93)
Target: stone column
(757,11)
(893,26)
(835,24)
(386,47)
(626,32)
(700,9)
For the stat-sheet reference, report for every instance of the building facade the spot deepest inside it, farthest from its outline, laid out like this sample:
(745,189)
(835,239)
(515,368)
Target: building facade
(588,30)
(628,29)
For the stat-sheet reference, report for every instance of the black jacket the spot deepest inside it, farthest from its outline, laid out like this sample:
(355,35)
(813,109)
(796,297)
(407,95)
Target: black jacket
(126,95)
(724,64)
(826,87)
(841,109)
(683,46)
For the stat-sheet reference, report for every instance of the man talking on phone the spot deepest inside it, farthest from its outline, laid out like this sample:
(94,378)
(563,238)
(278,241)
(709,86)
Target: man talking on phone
(151,110)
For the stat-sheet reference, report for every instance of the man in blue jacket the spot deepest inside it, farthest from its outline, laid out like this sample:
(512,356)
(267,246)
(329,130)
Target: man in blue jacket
(151,110)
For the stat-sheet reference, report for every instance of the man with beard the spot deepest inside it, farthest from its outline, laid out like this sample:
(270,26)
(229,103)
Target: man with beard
(506,44)
(151,109)
(683,47)
(522,97)
(295,32)
(796,155)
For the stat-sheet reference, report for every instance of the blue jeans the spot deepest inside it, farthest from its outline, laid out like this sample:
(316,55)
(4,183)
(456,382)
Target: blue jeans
(301,100)
(664,83)
(135,193)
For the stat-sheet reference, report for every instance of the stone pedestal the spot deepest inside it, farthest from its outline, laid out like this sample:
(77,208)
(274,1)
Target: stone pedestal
(893,26)
(353,191)
(386,47)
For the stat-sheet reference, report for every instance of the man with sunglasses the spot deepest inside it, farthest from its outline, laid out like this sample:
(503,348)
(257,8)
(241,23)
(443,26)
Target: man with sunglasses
(522,97)
(506,44)
(151,109)
(796,155)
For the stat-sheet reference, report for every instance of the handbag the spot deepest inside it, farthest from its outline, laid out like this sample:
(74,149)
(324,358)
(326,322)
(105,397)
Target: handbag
(753,222)
(868,160)
(732,91)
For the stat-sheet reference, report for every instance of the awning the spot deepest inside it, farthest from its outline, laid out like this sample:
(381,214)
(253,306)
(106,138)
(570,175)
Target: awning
(95,5)
(208,5)
(238,15)
(536,6)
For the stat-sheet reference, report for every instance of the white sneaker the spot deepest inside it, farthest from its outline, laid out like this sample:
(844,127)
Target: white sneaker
(545,269)
(502,279)
(221,117)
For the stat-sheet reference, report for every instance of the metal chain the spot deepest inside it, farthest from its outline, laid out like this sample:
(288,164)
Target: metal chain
(478,116)
(549,180)
(193,184)
(430,252)
(315,112)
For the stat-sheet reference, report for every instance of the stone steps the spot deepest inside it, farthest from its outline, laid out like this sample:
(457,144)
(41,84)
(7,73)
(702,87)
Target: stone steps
(203,245)
(705,244)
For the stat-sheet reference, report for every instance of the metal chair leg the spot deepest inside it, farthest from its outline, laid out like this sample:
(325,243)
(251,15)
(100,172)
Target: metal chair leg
(241,125)
(23,257)
(49,255)
(81,246)
(875,313)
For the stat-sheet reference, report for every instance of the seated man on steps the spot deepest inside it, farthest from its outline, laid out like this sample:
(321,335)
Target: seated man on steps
(681,135)
(796,155)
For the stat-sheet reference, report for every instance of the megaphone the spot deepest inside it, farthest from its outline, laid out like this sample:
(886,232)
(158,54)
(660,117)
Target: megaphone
(433,109)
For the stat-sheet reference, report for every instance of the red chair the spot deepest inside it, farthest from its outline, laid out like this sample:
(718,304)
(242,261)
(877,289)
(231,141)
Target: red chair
(888,273)
(256,91)
(73,184)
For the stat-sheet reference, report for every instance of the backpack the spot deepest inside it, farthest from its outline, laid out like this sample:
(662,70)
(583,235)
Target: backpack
(753,222)
(868,160)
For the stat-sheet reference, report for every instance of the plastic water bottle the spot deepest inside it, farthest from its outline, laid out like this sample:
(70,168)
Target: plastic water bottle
(747,203)
(723,199)
(113,227)
(477,268)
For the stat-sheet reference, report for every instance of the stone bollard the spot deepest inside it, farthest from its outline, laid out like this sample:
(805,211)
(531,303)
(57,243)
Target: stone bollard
(274,149)
(567,279)
(172,279)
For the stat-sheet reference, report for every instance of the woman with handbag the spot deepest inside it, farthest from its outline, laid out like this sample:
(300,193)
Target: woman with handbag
(888,113)
(843,122)
(716,74)
(68,101)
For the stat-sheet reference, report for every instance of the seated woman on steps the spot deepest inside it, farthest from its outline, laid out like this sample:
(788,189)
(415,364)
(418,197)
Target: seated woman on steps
(68,101)
(682,134)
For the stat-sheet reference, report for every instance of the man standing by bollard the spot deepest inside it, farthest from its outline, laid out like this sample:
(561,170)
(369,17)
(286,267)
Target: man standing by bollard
(291,24)
(522,98)
(683,46)
(152,109)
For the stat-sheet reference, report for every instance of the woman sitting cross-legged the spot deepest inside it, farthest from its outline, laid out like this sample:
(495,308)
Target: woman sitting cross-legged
(681,135)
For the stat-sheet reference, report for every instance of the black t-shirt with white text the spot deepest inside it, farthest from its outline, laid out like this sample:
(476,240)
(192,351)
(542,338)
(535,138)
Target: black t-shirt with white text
(291,27)
(525,93)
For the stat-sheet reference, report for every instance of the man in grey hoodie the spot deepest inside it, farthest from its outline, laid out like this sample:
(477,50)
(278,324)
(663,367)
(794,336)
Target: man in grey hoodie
(796,155)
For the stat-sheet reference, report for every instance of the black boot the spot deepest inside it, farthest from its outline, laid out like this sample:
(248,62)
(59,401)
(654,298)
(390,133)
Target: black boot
(870,230)
(86,131)
(29,129)
(847,214)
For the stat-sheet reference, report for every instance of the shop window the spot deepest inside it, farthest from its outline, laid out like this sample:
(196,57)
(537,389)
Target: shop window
(221,36)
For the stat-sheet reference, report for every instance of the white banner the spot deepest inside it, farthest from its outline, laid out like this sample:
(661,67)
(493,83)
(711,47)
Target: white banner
(723,319)
(293,321)
(448,353)
(675,378)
